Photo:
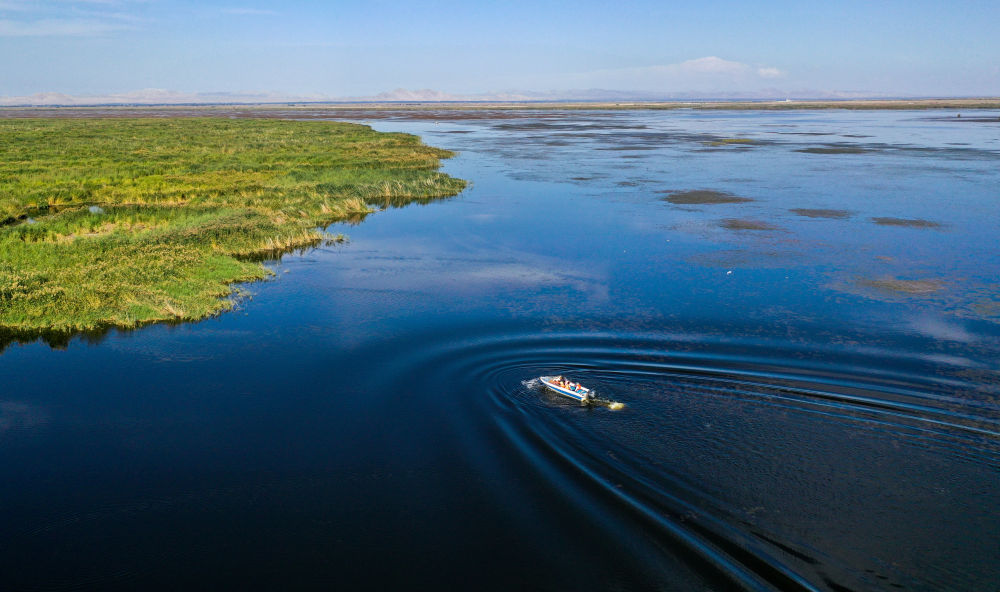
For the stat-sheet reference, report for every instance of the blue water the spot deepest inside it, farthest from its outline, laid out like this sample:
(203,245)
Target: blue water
(810,405)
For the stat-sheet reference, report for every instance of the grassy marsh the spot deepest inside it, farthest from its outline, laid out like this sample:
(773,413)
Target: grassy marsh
(185,208)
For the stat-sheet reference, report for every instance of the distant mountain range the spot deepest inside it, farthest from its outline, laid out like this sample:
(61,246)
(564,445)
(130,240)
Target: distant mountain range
(596,94)
(169,97)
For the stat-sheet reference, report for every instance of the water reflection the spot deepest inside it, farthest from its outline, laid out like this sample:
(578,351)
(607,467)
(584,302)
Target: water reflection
(802,410)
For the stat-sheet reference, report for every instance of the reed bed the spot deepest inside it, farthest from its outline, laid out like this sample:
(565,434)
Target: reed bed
(121,222)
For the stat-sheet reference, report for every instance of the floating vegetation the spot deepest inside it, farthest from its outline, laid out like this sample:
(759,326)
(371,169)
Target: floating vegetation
(899,286)
(907,222)
(143,220)
(746,224)
(834,149)
(821,213)
(703,196)
(733,142)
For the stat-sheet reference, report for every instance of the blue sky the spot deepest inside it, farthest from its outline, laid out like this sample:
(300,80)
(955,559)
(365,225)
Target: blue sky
(350,48)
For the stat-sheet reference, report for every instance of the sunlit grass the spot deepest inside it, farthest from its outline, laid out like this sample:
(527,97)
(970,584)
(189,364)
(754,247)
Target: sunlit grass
(120,222)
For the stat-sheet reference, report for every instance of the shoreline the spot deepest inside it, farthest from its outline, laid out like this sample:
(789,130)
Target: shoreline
(125,222)
(266,109)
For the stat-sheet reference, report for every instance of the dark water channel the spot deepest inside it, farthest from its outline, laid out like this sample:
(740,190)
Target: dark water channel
(811,378)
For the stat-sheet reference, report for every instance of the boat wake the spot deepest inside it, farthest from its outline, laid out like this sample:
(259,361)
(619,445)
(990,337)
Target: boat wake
(732,461)
(610,404)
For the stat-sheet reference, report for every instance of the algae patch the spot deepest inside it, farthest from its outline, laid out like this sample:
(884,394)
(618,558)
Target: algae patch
(732,142)
(821,213)
(907,222)
(905,287)
(834,150)
(746,224)
(703,197)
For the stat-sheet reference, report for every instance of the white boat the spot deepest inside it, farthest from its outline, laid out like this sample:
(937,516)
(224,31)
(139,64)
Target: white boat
(567,388)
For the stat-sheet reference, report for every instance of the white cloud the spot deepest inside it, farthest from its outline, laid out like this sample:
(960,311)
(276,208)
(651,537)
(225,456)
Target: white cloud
(102,2)
(154,96)
(249,11)
(61,6)
(710,72)
(707,65)
(769,73)
(67,18)
(59,27)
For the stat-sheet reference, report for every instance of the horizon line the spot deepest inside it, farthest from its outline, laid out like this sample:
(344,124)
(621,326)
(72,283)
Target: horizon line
(566,101)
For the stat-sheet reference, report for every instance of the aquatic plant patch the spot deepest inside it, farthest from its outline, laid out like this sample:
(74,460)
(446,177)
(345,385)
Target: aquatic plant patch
(119,222)
(907,222)
(821,213)
(703,197)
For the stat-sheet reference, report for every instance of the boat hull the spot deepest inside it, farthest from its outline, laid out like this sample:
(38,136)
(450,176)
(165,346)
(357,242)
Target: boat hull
(581,397)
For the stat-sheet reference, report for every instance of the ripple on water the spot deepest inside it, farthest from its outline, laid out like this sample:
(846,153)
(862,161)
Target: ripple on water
(752,461)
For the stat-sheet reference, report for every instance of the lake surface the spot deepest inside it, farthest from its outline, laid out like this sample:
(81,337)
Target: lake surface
(810,377)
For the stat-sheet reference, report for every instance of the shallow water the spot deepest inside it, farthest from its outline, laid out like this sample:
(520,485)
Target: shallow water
(797,415)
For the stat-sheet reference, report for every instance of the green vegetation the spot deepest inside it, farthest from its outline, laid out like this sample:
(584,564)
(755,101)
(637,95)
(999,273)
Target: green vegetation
(732,142)
(908,222)
(821,213)
(704,196)
(746,224)
(900,286)
(120,222)
(834,149)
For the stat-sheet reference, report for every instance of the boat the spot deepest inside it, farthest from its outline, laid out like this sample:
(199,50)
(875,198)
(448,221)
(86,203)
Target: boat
(567,388)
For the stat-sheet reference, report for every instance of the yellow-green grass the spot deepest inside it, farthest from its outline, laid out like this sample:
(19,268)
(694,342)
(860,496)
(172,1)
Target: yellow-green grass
(733,142)
(121,222)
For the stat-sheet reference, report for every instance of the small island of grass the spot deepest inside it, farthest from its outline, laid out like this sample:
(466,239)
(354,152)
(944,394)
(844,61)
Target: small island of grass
(121,222)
